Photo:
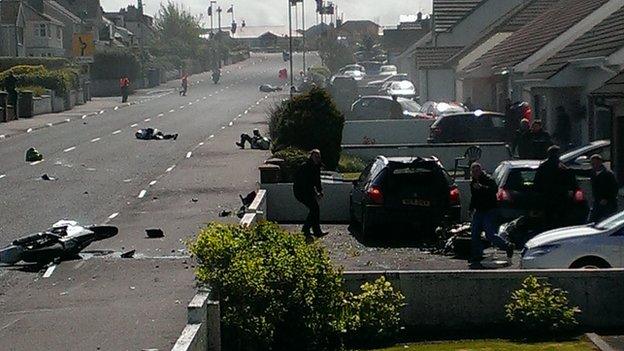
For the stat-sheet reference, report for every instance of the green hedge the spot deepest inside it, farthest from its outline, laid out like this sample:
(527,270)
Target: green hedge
(60,80)
(115,63)
(51,63)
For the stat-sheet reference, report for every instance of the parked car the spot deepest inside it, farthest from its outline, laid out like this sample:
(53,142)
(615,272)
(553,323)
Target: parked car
(413,192)
(371,67)
(598,245)
(470,127)
(388,70)
(393,78)
(352,67)
(579,158)
(436,109)
(517,195)
(357,75)
(380,107)
(403,88)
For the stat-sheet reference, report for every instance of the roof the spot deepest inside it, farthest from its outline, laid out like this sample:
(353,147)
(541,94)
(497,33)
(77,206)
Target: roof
(432,57)
(89,9)
(410,50)
(33,15)
(9,10)
(613,87)
(601,41)
(448,13)
(252,32)
(58,7)
(537,33)
(357,25)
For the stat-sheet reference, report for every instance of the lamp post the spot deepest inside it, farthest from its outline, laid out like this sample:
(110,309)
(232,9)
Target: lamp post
(219,17)
(303,33)
(290,45)
(211,17)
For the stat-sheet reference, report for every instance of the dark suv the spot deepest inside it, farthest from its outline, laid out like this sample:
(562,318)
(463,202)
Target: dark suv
(470,127)
(413,192)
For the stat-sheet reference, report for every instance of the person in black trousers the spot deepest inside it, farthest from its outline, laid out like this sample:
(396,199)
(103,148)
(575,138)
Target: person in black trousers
(308,191)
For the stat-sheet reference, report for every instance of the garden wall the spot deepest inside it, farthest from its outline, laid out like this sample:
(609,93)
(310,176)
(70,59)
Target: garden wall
(398,131)
(447,301)
(42,105)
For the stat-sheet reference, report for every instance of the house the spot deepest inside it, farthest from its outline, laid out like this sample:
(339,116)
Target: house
(266,37)
(89,11)
(114,35)
(557,59)
(12,26)
(356,31)
(135,21)
(72,23)
(456,25)
(396,40)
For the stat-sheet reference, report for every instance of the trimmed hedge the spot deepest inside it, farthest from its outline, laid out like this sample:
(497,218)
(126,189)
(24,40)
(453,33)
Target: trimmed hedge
(60,80)
(51,63)
(115,63)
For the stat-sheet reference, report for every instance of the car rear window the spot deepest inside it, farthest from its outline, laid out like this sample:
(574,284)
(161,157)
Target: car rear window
(416,181)
(521,179)
(409,105)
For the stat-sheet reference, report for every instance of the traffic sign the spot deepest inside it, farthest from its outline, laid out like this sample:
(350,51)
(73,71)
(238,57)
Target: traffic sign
(83,45)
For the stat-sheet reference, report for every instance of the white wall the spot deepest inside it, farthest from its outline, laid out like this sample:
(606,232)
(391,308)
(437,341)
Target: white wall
(402,131)
(437,85)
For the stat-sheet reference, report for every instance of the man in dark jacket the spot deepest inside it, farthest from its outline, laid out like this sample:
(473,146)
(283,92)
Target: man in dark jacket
(10,84)
(540,141)
(308,191)
(604,189)
(522,142)
(483,204)
(555,184)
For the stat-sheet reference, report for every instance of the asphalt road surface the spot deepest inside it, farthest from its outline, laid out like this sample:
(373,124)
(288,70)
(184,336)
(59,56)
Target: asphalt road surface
(105,175)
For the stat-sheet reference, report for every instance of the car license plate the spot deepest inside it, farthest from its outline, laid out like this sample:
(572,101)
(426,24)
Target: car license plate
(416,202)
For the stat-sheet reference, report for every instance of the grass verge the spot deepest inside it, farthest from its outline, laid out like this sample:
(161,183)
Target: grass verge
(495,345)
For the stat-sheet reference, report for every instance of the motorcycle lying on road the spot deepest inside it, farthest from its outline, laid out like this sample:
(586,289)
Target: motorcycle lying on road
(65,240)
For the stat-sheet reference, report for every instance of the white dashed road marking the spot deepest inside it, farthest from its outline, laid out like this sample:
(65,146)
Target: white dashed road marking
(189,154)
(95,140)
(152,183)
(29,130)
(2,176)
(113,215)
(102,112)
(161,114)
(171,111)
(147,119)
(170,169)
(83,117)
(49,271)
(134,125)
(231,124)
(117,131)
(142,194)
(70,149)
(201,144)
(116,108)
(211,136)
(35,163)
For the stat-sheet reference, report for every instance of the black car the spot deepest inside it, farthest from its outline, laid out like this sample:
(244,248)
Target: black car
(381,107)
(412,192)
(517,195)
(470,127)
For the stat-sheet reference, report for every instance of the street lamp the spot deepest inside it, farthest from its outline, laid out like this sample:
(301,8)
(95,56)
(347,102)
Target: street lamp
(290,44)
(211,18)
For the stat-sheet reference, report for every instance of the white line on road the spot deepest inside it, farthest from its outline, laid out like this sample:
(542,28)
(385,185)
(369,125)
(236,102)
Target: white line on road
(83,117)
(211,136)
(142,193)
(210,95)
(182,107)
(170,169)
(113,215)
(49,271)
(190,103)
(2,176)
(189,154)
(67,119)
(2,136)
(117,131)
(171,111)
(161,114)
(36,162)
(197,100)
(223,127)
(95,140)
(152,183)
(134,125)
(49,124)
(29,130)
(240,115)
(70,149)
(201,144)
(147,119)
(231,124)
(116,108)
(205,97)
(246,111)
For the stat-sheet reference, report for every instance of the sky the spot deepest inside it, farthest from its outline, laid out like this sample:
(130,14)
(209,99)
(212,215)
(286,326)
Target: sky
(275,12)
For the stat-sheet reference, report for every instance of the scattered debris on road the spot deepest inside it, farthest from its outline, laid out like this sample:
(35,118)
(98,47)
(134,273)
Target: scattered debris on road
(225,213)
(268,88)
(33,155)
(153,134)
(154,233)
(129,254)
(45,176)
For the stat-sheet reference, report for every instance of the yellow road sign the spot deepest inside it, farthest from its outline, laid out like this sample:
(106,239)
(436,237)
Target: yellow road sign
(83,45)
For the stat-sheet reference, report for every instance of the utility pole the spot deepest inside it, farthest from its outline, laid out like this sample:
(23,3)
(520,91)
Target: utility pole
(304,34)
(219,17)
(290,44)
(210,13)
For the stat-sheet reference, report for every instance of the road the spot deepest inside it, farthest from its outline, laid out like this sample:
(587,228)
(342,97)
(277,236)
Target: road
(105,175)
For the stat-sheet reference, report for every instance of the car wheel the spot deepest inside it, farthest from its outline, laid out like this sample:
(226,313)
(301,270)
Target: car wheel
(590,263)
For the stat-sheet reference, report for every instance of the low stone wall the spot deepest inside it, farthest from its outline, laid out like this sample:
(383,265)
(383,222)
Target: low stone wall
(203,329)
(105,87)
(464,301)
(42,105)
(379,132)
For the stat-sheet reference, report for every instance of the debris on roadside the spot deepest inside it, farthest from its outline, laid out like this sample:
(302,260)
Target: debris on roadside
(225,213)
(154,233)
(33,155)
(45,176)
(129,254)
(153,134)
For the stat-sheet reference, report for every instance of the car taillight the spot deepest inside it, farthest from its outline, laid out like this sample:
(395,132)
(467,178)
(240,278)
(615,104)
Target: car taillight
(579,196)
(375,194)
(503,195)
(454,196)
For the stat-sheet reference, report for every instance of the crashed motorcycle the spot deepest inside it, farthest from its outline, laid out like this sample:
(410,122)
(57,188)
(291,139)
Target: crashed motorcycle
(65,240)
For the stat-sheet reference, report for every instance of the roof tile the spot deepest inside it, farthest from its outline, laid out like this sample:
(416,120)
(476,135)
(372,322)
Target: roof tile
(447,13)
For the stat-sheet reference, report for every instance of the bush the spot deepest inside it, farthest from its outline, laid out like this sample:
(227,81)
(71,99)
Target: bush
(36,90)
(293,158)
(278,292)
(114,63)
(373,316)
(350,164)
(539,308)
(51,63)
(60,80)
(309,121)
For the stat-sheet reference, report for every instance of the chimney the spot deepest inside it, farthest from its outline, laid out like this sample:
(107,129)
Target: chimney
(37,5)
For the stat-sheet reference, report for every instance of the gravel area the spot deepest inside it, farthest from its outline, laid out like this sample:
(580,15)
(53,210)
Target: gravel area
(347,252)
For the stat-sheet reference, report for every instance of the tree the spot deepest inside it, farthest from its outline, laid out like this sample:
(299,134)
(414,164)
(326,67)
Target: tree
(179,31)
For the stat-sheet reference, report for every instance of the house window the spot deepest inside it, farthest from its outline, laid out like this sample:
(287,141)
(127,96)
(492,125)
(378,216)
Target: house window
(50,32)
(59,34)
(42,30)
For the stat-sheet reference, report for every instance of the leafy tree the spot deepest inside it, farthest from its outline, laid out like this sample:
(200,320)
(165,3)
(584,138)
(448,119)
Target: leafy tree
(178,31)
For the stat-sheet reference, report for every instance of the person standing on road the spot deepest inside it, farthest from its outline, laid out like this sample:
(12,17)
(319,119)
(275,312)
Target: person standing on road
(124,86)
(483,206)
(604,189)
(552,182)
(10,84)
(522,142)
(308,191)
(540,141)
(184,85)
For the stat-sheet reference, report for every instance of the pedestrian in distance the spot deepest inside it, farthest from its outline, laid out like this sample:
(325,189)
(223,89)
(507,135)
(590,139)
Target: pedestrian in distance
(124,86)
(540,141)
(483,206)
(522,144)
(184,85)
(604,189)
(256,141)
(308,191)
